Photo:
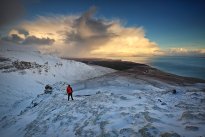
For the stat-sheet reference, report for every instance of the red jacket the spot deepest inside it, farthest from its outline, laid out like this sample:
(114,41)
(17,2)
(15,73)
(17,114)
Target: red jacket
(69,90)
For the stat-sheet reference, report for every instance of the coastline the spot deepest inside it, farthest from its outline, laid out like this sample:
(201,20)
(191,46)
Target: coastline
(139,70)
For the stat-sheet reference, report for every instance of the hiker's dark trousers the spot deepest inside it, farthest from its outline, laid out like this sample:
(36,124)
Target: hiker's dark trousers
(70,94)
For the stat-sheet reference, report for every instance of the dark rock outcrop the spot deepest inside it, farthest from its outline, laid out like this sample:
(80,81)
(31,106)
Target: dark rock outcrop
(48,89)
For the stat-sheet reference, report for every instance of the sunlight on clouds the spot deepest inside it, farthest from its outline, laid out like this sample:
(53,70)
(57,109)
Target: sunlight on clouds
(128,42)
(87,36)
(14,31)
(51,27)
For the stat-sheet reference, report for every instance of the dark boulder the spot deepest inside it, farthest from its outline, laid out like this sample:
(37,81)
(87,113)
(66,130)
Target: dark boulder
(174,91)
(172,134)
(48,89)
(163,103)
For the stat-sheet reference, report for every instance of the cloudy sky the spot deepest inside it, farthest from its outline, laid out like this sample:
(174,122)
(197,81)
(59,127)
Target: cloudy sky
(99,28)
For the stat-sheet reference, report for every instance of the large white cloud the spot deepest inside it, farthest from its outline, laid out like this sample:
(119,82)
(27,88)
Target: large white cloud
(86,36)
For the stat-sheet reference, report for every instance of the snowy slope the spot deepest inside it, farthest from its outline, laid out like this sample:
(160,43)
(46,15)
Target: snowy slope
(115,104)
(19,83)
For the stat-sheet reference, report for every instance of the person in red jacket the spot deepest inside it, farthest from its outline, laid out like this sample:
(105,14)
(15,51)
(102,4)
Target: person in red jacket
(70,92)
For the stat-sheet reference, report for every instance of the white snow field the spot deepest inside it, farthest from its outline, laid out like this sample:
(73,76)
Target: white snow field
(106,102)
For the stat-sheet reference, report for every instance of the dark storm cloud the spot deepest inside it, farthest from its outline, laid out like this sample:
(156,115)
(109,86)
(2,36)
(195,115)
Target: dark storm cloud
(29,40)
(97,26)
(32,40)
(23,31)
(14,38)
(87,30)
(10,10)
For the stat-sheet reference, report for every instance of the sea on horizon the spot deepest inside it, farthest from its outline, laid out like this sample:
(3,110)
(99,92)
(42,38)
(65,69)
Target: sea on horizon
(188,66)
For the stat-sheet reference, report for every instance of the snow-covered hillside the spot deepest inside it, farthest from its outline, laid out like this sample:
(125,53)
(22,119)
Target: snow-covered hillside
(105,103)
(24,74)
